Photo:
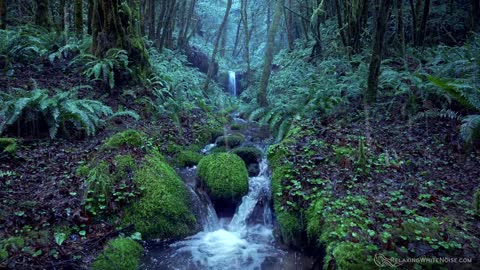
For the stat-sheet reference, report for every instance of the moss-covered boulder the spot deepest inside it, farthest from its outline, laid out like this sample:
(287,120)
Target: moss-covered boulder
(224,176)
(119,254)
(291,225)
(125,138)
(162,211)
(248,154)
(230,141)
(8,146)
(187,158)
(348,255)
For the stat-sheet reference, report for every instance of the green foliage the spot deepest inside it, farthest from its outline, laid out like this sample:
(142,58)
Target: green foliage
(188,158)
(468,97)
(248,154)
(129,137)
(104,68)
(119,254)
(224,175)
(230,141)
(163,210)
(8,146)
(57,111)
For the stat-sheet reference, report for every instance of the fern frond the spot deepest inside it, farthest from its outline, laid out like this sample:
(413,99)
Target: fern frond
(470,129)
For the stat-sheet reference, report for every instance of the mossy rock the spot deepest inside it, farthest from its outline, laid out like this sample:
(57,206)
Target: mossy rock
(125,138)
(248,154)
(224,175)
(119,254)
(163,210)
(215,133)
(8,146)
(237,126)
(230,141)
(188,158)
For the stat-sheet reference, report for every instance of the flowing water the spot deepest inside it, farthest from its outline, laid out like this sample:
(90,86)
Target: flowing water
(243,241)
(232,83)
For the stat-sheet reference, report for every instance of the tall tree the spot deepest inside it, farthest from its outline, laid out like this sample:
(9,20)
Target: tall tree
(79,17)
(114,26)
(42,14)
(211,65)
(247,34)
(377,51)
(352,16)
(267,65)
(3,14)
(420,12)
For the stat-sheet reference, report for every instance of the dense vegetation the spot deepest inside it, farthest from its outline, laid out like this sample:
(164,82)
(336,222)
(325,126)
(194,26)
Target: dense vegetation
(369,110)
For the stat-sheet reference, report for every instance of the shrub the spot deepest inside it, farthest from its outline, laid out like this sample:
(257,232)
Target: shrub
(35,107)
(119,254)
(163,209)
(224,175)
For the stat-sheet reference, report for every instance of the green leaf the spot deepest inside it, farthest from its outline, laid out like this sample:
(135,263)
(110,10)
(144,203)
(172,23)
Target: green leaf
(60,237)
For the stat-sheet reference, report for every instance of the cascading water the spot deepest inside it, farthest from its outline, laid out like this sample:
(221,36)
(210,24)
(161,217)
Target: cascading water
(245,241)
(232,83)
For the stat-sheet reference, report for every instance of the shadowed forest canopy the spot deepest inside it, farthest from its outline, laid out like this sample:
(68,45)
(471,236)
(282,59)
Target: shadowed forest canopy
(239,134)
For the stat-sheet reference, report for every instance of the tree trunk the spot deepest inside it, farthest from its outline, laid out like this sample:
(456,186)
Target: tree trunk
(211,66)
(244,10)
(400,27)
(267,65)
(377,51)
(42,14)
(90,15)
(289,25)
(79,17)
(114,27)
(423,26)
(474,15)
(3,14)
(151,18)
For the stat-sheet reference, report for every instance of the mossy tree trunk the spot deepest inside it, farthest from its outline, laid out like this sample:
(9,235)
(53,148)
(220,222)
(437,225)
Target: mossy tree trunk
(352,16)
(419,20)
(89,17)
(267,64)
(42,14)
(3,14)
(377,51)
(211,66)
(475,15)
(114,26)
(79,17)
(244,19)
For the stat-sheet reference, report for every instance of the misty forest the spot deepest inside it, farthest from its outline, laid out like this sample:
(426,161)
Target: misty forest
(239,134)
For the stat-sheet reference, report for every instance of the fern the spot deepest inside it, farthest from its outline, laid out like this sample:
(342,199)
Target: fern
(58,110)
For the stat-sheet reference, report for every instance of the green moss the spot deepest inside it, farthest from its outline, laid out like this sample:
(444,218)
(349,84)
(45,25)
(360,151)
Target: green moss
(248,154)
(8,146)
(125,165)
(221,149)
(162,211)
(119,254)
(230,141)
(173,148)
(3,255)
(215,133)
(126,138)
(350,256)
(224,175)
(188,158)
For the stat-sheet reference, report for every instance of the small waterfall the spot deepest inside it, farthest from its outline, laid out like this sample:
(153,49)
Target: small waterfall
(232,83)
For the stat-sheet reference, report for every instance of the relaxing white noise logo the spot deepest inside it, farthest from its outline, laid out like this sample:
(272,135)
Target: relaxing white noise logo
(382,261)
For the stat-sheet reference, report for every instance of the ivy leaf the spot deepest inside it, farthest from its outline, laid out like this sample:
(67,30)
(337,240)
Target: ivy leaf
(60,238)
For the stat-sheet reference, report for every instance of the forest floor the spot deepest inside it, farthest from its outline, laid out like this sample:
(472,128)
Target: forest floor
(413,193)
(416,169)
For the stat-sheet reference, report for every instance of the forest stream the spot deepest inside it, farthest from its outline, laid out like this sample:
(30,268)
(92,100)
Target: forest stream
(243,240)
